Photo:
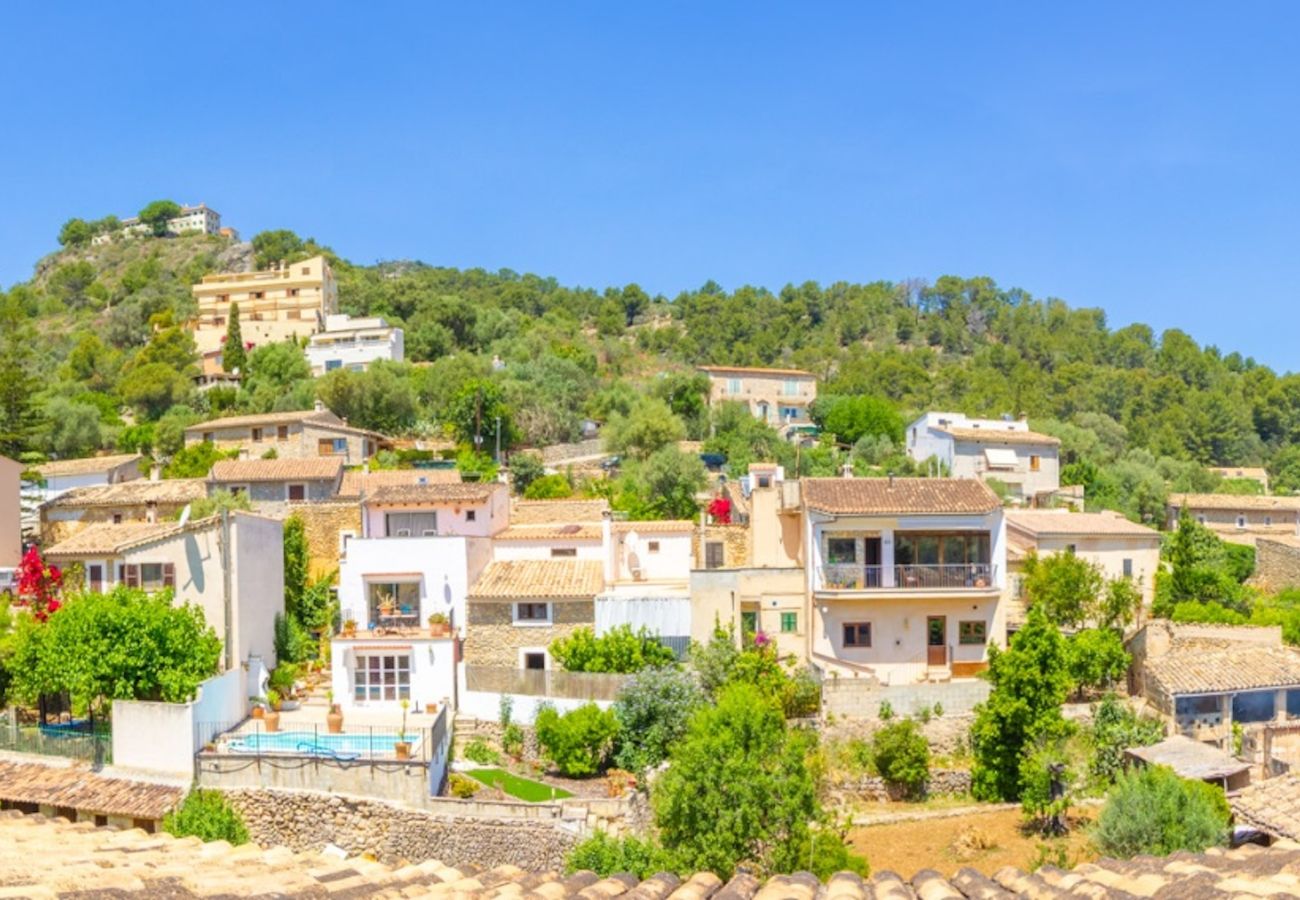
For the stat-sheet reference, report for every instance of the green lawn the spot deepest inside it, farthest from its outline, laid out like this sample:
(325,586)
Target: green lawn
(520,788)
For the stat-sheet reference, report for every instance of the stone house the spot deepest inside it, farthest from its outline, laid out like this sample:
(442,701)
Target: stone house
(1240,518)
(279,482)
(1277,562)
(298,434)
(518,607)
(235,575)
(142,500)
(1002,450)
(776,396)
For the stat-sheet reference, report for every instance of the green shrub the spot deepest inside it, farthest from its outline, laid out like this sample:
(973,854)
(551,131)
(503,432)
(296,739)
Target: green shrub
(902,756)
(462,786)
(548,487)
(1036,777)
(1115,727)
(578,742)
(512,740)
(478,751)
(607,855)
(886,711)
(206,815)
(653,709)
(618,650)
(1153,811)
(1095,659)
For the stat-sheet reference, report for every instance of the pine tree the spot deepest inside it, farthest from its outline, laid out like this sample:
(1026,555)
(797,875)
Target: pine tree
(233,357)
(20,418)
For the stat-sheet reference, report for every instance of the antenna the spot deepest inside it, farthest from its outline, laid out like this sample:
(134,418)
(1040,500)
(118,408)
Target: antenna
(185,515)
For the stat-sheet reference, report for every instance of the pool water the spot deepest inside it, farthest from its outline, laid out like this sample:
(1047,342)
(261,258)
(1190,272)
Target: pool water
(365,745)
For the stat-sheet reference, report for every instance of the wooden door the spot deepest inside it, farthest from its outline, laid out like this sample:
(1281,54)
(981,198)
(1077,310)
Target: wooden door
(936,641)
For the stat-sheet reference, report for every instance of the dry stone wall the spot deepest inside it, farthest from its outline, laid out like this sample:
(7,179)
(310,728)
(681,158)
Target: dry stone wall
(307,822)
(873,788)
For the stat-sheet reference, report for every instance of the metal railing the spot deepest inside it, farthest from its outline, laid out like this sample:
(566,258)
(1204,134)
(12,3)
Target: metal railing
(367,743)
(544,683)
(57,740)
(854,577)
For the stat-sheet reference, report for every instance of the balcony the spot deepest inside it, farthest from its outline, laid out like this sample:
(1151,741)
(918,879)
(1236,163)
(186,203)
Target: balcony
(938,577)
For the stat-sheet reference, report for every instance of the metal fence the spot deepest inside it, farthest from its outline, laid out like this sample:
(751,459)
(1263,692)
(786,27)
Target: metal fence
(69,741)
(544,683)
(251,739)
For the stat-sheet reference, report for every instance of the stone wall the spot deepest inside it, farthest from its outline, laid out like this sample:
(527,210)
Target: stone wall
(947,734)
(491,639)
(873,789)
(1277,565)
(307,822)
(862,698)
(322,523)
(735,541)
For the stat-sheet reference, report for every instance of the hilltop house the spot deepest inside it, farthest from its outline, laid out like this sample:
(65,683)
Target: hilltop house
(1120,548)
(190,220)
(1002,450)
(292,435)
(1238,517)
(139,501)
(905,576)
(776,396)
(274,482)
(237,580)
(353,344)
(287,302)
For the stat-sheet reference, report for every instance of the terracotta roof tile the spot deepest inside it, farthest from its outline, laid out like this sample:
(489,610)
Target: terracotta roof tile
(87,465)
(325,417)
(751,370)
(1190,758)
(557,512)
(1000,436)
(141,491)
(82,788)
(1046,523)
(543,578)
(110,538)
(311,468)
(573,532)
(462,492)
(1194,668)
(898,496)
(657,526)
(1234,502)
(357,480)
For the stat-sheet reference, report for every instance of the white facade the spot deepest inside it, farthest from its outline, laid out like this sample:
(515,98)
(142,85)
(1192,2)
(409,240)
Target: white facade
(191,219)
(379,673)
(353,344)
(426,575)
(1003,450)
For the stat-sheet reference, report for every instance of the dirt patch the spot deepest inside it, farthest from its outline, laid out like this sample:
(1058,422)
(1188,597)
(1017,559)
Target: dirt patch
(984,841)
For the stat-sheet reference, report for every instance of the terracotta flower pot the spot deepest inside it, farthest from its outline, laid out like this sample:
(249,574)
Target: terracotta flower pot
(431,708)
(258,712)
(271,721)
(403,749)
(334,719)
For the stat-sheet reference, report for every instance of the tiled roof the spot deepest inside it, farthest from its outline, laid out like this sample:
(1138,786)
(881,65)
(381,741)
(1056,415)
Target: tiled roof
(1189,758)
(750,370)
(1048,523)
(463,492)
(85,863)
(1272,806)
(132,493)
(573,532)
(1000,436)
(87,465)
(311,468)
(357,480)
(541,578)
(1189,668)
(557,512)
(1234,501)
(110,539)
(272,418)
(901,496)
(657,526)
(83,789)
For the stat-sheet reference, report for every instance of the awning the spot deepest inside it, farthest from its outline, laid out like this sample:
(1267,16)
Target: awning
(1000,457)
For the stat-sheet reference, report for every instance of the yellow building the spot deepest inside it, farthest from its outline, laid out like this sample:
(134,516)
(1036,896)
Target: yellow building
(289,301)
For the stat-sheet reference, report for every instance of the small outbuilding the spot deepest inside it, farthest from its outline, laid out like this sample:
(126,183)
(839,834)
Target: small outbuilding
(1195,760)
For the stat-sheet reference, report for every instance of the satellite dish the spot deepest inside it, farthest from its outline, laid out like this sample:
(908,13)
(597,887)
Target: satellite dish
(185,515)
(631,540)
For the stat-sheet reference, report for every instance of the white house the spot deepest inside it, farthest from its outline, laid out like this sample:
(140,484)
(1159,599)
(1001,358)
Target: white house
(65,474)
(1003,450)
(648,580)
(905,576)
(353,344)
(237,580)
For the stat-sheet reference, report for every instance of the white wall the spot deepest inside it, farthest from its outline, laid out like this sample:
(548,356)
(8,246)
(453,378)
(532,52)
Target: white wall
(438,563)
(490,516)
(672,562)
(257,584)
(485,705)
(433,669)
(162,738)
(541,549)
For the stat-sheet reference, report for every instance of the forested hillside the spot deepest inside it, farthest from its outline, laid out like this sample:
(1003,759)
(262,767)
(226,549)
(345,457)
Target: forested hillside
(93,356)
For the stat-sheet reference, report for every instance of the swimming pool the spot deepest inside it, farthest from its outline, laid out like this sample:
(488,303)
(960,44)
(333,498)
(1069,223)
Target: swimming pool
(355,745)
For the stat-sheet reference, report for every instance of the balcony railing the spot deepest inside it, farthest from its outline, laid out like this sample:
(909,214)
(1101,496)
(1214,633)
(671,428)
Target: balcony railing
(854,577)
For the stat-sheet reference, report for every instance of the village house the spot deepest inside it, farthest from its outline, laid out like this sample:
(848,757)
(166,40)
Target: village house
(905,576)
(66,474)
(353,344)
(363,482)
(1204,678)
(1002,450)
(1118,547)
(287,302)
(299,434)
(233,572)
(1240,518)
(11,545)
(275,482)
(775,396)
(1257,474)
(142,500)
(647,581)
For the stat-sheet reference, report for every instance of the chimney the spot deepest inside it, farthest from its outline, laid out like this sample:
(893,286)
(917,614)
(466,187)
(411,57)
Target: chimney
(846,470)
(891,479)
(320,407)
(155,472)
(151,512)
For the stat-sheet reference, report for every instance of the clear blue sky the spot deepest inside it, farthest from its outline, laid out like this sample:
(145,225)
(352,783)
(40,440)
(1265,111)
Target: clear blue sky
(1138,157)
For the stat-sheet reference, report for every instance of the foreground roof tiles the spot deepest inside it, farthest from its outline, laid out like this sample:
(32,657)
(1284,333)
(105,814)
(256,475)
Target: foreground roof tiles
(1272,806)
(81,788)
(1192,669)
(311,468)
(132,493)
(899,496)
(87,466)
(86,862)
(541,578)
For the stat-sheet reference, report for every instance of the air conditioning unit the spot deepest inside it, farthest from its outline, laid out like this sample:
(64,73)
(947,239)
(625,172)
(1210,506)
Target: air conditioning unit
(403,532)
(637,574)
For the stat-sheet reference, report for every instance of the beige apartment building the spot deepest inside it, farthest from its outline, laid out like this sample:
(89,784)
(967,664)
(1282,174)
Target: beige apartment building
(777,396)
(287,302)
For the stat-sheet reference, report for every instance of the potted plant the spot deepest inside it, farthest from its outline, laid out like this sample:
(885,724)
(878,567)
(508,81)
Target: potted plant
(349,628)
(272,718)
(439,625)
(258,710)
(403,747)
(334,718)
(387,605)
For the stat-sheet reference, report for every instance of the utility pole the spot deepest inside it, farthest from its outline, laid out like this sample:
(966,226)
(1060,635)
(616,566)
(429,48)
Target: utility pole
(498,456)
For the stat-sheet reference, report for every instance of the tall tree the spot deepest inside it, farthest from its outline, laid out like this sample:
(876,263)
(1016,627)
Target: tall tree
(20,418)
(233,357)
(158,214)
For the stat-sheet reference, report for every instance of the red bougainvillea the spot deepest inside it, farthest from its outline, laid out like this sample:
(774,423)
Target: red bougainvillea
(39,584)
(720,511)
